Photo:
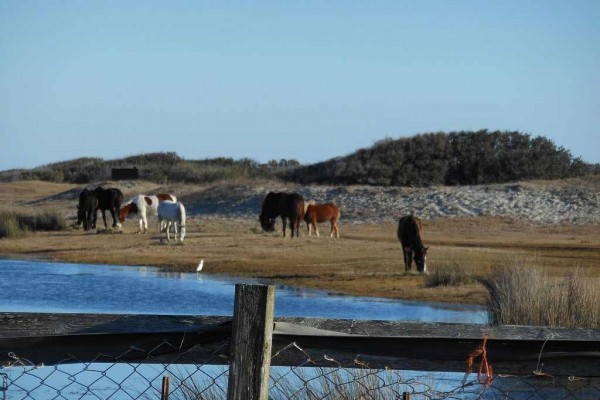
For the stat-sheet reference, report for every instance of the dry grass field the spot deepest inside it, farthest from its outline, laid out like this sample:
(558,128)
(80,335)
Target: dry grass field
(366,260)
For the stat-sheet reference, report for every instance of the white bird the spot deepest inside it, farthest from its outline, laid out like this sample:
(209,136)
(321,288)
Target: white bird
(200,266)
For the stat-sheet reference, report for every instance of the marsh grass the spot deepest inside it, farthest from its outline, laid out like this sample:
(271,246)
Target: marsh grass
(308,383)
(454,274)
(520,294)
(14,224)
(9,226)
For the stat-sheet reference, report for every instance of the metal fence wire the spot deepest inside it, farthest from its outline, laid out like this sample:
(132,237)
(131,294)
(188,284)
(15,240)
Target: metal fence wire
(110,377)
(117,377)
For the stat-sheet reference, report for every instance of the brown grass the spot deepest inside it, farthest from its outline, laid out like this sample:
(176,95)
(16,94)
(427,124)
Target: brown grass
(528,295)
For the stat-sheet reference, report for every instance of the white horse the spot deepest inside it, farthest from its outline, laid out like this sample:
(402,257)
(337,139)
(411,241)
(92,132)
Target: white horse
(173,213)
(144,205)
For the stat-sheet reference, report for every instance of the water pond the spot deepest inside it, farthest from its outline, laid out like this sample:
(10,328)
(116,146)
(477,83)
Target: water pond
(39,286)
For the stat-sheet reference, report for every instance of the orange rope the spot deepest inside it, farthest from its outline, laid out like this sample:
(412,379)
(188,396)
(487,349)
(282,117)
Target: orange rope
(484,366)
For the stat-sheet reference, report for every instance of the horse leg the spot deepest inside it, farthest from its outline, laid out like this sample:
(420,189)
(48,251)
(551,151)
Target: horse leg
(168,229)
(335,228)
(116,223)
(95,219)
(104,219)
(407,258)
(308,227)
(284,222)
(143,221)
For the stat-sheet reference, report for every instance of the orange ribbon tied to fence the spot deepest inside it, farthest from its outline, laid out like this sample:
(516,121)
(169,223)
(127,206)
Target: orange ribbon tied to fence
(485,368)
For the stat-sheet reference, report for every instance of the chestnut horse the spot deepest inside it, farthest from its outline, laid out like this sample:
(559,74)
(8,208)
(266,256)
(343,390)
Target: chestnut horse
(286,205)
(316,213)
(144,205)
(409,235)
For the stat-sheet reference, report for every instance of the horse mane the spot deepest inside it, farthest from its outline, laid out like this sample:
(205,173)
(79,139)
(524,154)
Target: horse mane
(417,224)
(413,224)
(309,203)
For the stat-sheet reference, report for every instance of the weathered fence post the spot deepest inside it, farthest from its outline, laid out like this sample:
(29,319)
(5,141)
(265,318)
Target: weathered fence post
(251,341)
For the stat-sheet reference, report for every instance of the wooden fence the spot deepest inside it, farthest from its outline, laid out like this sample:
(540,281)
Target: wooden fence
(250,342)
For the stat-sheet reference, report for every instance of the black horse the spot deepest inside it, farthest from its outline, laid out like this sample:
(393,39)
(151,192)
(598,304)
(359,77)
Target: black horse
(109,199)
(409,235)
(286,205)
(86,209)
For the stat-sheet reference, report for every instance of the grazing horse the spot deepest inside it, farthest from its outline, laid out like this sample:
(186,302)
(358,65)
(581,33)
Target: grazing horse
(286,205)
(316,213)
(86,209)
(172,213)
(409,235)
(144,205)
(109,199)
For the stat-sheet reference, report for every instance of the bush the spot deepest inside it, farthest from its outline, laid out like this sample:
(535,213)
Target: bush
(455,158)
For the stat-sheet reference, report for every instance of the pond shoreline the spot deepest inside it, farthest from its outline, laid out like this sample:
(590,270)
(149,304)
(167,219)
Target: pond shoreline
(365,261)
(82,288)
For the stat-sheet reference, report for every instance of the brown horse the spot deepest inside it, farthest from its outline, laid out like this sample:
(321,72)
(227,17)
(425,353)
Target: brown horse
(316,213)
(409,235)
(286,205)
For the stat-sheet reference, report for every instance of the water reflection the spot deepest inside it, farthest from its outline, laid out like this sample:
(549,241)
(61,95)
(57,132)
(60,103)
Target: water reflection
(37,286)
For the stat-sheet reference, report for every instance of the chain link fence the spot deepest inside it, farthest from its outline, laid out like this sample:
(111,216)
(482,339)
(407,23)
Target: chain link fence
(116,377)
(356,380)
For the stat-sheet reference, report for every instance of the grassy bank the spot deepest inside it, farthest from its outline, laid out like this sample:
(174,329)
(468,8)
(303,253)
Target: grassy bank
(17,224)
(366,260)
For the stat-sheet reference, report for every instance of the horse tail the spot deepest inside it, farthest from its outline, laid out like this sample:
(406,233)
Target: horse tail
(182,214)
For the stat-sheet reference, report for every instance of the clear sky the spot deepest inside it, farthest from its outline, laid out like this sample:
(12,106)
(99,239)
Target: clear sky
(308,80)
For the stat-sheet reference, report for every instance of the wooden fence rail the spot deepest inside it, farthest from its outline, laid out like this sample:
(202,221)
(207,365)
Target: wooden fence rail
(59,338)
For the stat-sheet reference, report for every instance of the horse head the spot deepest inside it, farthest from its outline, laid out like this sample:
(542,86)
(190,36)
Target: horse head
(127,209)
(267,224)
(421,259)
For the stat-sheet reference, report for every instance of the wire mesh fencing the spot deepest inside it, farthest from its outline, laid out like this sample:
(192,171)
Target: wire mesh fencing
(116,377)
(356,380)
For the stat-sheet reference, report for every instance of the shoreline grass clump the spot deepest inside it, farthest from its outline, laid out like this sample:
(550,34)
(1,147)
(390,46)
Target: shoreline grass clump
(454,274)
(520,294)
(9,226)
(14,224)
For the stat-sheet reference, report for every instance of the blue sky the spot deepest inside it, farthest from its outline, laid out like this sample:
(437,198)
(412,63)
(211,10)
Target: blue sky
(307,80)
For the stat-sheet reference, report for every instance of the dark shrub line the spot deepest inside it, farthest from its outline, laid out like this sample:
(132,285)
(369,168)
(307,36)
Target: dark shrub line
(456,158)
